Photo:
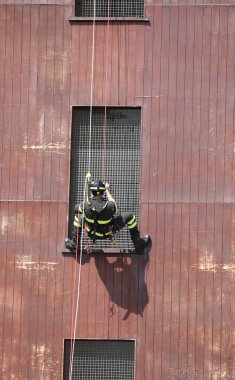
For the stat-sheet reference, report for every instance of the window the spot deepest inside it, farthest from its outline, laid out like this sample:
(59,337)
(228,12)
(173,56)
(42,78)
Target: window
(118,8)
(100,359)
(122,160)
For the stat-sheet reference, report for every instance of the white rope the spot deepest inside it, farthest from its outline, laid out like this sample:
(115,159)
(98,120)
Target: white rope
(79,283)
(85,185)
(92,80)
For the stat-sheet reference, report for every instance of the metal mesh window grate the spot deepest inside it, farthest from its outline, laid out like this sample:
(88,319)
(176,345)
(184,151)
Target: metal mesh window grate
(122,160)
(100,359)
(118,8)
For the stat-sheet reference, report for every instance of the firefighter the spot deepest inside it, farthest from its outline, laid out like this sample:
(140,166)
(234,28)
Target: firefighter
(101,221)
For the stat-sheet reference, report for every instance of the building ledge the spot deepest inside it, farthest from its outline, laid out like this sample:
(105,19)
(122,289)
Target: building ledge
(112,252)
(112,20)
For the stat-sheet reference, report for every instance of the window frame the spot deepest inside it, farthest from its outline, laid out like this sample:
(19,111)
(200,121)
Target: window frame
(66,351)
(116,19)
(112,249)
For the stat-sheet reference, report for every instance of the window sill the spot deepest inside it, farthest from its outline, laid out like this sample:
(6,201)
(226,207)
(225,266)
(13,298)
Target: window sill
(112,20)
(107,252)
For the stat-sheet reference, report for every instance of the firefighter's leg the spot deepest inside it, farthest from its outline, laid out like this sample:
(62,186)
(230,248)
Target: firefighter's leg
(129,219)
(71,244)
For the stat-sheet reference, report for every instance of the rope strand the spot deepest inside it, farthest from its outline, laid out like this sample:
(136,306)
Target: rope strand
(79,282)
(77,274)
(92,80)
(72,312)
(74,321)
(105,96)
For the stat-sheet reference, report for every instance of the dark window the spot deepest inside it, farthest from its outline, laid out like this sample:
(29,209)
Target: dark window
(122,167)
(100,359)
(118,8)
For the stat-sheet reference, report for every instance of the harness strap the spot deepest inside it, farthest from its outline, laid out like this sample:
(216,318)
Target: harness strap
(96,208)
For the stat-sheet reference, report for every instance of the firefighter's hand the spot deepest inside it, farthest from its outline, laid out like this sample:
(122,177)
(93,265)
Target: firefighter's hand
(88,176)
(109,196)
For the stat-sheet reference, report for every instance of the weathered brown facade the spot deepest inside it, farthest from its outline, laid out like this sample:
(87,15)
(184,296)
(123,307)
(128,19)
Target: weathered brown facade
(179,68)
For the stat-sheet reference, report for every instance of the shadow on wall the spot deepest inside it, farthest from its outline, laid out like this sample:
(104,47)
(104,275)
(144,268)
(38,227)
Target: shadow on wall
(124,279)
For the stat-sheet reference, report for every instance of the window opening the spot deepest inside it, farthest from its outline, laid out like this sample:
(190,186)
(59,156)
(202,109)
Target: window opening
(122,160)
(118,8)
(100,359)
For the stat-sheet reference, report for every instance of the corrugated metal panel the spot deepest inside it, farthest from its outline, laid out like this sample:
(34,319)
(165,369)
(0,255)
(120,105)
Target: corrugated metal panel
(179,307)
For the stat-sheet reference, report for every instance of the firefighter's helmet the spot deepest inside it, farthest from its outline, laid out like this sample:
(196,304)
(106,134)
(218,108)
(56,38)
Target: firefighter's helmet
(97,187)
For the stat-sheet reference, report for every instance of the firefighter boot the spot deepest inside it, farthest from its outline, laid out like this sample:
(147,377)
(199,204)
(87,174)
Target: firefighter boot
(141,243)
(70,244)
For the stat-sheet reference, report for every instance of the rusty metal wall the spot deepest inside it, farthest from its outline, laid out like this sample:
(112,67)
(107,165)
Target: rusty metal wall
(179,67)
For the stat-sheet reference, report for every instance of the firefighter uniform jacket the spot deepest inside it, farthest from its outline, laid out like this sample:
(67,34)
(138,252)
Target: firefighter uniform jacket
(98,217)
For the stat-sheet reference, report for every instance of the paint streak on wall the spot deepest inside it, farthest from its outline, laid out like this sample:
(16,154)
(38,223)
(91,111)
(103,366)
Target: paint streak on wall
(207,263)
(27,263)
(43,362)
(4,225)
(42,146)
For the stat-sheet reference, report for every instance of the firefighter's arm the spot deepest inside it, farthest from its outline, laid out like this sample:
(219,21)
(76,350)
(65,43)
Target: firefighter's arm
(109,196)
